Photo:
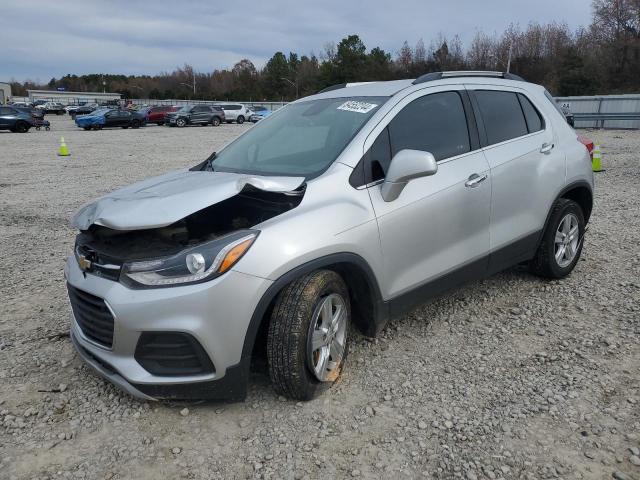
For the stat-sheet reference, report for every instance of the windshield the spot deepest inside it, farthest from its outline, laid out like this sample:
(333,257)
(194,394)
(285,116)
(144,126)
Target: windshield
(186,109)
(301,139)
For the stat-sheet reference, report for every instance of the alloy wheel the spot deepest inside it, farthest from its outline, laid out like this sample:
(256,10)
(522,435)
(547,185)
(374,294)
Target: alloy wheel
(327,337)
(567,240)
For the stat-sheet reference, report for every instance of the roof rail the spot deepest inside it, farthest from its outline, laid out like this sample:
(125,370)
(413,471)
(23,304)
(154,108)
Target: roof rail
(333,87)
(430,77)
(343,85)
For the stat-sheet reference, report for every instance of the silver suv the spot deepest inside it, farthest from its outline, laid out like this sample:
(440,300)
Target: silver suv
(236,112)
(346,208)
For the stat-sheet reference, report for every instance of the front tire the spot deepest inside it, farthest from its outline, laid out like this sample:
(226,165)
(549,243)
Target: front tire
(240,120)
(181,122)
(562,241)
(307,343)
(135,124)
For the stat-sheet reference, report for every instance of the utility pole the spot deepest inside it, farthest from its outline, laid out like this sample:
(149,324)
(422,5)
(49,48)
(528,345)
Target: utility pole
(509,60)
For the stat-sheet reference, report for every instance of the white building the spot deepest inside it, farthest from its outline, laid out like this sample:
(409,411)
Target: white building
(5,93)
(71,97)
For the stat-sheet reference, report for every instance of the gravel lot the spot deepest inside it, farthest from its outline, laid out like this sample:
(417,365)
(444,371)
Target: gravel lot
(512,377)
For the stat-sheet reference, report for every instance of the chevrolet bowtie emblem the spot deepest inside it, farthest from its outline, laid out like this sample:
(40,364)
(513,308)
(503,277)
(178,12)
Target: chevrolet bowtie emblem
(84,262)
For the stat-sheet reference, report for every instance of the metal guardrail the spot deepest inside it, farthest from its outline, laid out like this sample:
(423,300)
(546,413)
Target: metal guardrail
(600,118)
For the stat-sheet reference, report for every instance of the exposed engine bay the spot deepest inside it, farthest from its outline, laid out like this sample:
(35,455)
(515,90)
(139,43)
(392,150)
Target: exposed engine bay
(248,208)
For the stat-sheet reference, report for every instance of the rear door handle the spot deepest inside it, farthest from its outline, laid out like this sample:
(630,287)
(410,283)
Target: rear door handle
(475,180)
(546,148)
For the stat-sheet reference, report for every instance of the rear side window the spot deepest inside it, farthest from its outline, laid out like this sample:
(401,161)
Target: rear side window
(531,115)
(502,115)
(434,123)
(7,111)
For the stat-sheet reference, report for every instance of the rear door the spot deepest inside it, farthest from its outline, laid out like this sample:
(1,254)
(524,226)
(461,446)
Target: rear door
(435,235)
(525,167)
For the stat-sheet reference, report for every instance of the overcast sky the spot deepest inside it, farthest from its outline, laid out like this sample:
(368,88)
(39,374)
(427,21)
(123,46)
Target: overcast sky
(40,39)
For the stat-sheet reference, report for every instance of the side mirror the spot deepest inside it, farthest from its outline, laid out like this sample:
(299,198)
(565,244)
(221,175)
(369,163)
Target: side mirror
(405,166)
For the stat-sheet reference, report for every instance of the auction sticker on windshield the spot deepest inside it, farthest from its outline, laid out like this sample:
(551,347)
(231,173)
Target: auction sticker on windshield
(358,107)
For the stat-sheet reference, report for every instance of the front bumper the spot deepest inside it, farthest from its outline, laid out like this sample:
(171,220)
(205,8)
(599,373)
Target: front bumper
(215,313)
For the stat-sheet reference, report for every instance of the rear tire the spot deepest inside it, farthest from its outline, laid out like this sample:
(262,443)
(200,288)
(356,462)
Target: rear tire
(159,123)
(308,337)
(562,241)
(22,127)
(215,122)
(87,128)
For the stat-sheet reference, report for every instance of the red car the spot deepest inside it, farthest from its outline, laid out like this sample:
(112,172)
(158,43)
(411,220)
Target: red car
(158,114)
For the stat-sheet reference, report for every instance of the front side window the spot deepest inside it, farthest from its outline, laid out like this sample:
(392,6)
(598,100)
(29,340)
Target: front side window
(435,123)
(501,114)
(301,139)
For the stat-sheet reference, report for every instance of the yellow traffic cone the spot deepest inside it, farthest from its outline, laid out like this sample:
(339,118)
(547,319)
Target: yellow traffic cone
(596,162)
(63,151)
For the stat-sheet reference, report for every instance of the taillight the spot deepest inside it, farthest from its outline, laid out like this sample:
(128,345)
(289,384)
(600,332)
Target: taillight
(587,143)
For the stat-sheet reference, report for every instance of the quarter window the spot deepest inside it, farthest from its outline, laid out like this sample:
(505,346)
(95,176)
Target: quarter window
(434,123)
(531,115)
(501,114)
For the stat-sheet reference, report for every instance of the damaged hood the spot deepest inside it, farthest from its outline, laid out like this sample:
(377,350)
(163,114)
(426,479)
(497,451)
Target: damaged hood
(160,201)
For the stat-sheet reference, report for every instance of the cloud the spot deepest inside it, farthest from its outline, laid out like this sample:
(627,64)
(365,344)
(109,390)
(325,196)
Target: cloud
(43,39)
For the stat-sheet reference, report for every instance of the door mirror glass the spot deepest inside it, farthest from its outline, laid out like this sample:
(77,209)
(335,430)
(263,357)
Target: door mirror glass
(406,165)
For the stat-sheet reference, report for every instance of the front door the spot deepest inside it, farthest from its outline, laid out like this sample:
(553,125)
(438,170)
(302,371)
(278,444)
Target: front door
(435,235)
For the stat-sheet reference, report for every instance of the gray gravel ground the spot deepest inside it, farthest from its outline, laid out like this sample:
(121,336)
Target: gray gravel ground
(512,377)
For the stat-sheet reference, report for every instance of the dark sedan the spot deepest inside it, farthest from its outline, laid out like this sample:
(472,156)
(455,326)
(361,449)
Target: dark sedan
(15,119)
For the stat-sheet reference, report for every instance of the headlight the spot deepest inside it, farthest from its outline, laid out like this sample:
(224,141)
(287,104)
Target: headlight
(194,265)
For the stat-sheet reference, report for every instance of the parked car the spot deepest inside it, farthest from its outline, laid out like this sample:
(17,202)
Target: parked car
(110,117)
(235,112)
(72,108)
(84,110)
(52,107)
(351,206)
(158,114)
(21,104)
(195,115)
(258,113)
(35,113)
(15,119)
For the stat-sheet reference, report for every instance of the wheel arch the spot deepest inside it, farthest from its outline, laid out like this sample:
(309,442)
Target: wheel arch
(580,192)
(369,311)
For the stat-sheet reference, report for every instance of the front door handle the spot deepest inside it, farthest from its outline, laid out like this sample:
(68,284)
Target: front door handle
(546,148)
(475,180)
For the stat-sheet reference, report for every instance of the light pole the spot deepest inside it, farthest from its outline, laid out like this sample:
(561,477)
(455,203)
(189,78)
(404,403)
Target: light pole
(292,84)
(192,85)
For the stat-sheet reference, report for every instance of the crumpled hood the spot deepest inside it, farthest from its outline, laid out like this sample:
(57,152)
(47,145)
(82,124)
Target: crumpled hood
(160,201)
